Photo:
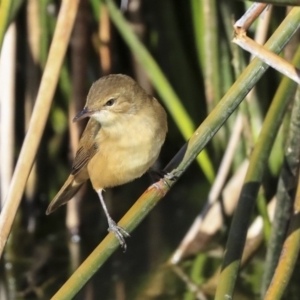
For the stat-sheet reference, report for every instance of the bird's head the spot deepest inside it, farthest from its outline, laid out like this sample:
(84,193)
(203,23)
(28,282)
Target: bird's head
(112,98)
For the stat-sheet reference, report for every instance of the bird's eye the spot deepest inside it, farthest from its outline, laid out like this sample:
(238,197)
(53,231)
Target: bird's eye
(110,102)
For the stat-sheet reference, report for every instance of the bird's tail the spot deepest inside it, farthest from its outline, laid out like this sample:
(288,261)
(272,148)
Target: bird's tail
(68,190)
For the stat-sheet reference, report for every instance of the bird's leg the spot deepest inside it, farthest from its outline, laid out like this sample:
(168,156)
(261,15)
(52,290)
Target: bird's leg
(118,231)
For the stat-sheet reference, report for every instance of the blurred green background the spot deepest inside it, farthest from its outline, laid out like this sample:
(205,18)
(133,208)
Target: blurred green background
(184,56)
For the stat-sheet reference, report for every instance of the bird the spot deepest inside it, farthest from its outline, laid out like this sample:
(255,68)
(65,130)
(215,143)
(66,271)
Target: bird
(121,141)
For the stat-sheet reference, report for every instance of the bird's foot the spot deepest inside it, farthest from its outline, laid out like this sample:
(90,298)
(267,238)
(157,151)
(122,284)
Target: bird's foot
(164,175)
(119,232)
(172,176)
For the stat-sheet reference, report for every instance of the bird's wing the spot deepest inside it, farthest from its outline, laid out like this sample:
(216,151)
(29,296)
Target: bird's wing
(87,146)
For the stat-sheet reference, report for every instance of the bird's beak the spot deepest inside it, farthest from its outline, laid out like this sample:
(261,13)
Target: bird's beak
(83,114)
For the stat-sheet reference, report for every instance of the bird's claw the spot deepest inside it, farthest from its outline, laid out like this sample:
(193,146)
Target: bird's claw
(119,232)
(171,177)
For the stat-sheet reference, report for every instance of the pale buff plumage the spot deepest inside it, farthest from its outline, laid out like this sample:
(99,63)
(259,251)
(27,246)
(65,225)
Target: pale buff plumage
(121,141)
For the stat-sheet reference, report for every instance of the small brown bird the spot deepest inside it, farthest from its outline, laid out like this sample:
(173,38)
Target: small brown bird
(120,143)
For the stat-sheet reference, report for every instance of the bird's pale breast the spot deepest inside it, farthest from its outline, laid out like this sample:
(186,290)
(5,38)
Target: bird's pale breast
(126,151)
